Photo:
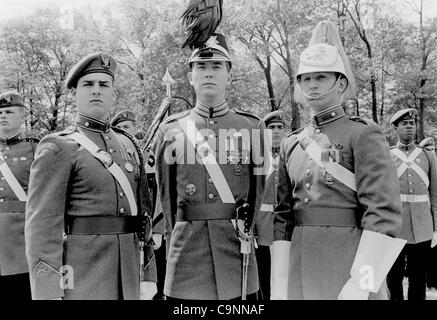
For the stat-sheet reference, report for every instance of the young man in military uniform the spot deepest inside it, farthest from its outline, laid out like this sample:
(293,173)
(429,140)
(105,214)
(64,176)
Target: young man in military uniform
(88,201)
(125,120)
(274,121)
(209,168)
(417,172)
(338,207)
(16,155)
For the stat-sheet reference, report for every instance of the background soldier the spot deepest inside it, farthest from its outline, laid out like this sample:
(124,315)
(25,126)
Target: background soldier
(417,172)
(200,201)
(87,195)
(127,120)
(338,205)
(264,222)
(16,155)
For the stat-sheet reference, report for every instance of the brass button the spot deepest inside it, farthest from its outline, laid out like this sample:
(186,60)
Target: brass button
(111,151)
(121,194)
(211,196)
(2,189)
(122,210)
(333,114)
(317,131)
(307,185)
(7,148)
(306,200)
(87,124)
(411,190)
(308,171)
(2,200)
(107,138)
(211,136)
(210,180)
(5,157)
(211,122)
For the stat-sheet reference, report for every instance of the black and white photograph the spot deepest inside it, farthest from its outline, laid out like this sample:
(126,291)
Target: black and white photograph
(242,151)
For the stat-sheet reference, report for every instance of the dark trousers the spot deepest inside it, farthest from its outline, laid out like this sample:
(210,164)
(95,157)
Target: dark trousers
(15,287)
(263,260)
(161,262)
(411,262)
(431,277)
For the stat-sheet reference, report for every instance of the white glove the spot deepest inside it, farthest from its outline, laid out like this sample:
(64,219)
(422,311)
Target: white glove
(157,239)
(280,261)
(148,290)
(351,292)
(434,239)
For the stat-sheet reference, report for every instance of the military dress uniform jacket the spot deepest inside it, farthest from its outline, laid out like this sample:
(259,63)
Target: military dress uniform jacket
(265,217)
(18,153)
(419,201)
(324,218)
(67,181)
(204,260)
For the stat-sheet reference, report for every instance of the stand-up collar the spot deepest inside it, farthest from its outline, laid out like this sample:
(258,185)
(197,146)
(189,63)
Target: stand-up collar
(211,111)
(329,115)
(406,147)
(92,124)
(13,140)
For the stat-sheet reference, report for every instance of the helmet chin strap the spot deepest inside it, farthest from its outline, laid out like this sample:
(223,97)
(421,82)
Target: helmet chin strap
(322,95)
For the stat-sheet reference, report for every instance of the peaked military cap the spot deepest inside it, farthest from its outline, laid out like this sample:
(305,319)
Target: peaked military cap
(11,99)
(215,49)
(409,113)
(124,115)
(97,62)
(275,116)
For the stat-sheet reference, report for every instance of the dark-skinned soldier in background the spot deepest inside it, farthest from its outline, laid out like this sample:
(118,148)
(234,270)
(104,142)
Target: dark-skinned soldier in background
(417,172)
(88,199)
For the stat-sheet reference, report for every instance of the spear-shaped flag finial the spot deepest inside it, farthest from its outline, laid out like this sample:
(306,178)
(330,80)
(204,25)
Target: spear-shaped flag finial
(167,80)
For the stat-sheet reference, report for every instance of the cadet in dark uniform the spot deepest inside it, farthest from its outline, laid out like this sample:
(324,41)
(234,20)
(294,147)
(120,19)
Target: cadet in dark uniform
(417,172)
(209,166)
(338,206)
(264,223)
(125,120)
(16,155)
(87,196)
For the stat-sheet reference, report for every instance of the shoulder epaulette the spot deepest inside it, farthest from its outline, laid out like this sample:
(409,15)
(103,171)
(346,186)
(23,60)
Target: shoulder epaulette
(428,148)
(176,116)
(360,119)
(295,131)
(244,113)
(67,131)
(32,139)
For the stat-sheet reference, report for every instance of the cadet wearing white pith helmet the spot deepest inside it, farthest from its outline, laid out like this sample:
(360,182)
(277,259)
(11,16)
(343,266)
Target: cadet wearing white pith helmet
(338,206)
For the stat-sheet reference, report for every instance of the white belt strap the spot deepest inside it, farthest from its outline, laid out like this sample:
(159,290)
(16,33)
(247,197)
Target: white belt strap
(112,167)
(11,180)
(414,198)
(333,168)
(209,161)
(266,207)
(408,162)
